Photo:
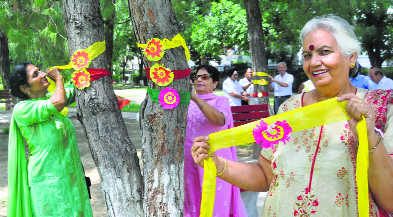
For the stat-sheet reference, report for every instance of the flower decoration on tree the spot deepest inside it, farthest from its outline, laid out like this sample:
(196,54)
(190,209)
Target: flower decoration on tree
(160,75)
(81,79)
(80,60)
(154,50)
(269,135)
(169,98)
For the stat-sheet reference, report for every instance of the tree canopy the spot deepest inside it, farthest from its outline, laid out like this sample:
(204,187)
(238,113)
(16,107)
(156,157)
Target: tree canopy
(35,28)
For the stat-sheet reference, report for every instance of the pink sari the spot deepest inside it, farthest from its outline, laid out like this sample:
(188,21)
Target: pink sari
(228,202)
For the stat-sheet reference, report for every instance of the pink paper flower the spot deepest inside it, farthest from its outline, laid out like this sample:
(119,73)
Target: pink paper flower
(269,135)
(169,98)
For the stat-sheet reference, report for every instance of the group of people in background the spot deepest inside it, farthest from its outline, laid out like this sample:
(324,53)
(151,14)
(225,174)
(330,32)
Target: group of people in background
(239,92)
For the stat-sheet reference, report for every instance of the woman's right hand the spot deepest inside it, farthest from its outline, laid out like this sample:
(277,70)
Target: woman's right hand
(54,74)
(200,151)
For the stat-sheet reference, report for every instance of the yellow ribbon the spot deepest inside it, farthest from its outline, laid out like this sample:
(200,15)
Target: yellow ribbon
(93,51)
(167,44)
(325,112)
(51,89)
(260,82)
(262,74)
(362,169)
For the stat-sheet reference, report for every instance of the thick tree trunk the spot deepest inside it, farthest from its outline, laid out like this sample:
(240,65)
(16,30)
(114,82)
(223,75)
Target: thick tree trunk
(112,149)
(163,131)
(4,59)
(257,47)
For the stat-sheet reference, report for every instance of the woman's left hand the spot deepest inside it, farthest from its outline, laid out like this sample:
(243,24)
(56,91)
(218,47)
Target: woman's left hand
(356,108)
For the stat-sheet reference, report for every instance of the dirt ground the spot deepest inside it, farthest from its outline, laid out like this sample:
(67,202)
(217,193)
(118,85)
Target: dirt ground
(97,201)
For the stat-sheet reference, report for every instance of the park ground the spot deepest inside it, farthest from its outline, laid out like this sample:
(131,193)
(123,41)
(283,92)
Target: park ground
(98,202)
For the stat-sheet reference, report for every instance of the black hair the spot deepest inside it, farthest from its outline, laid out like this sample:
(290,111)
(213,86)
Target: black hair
(213,72)
(230,71)
(355,71)
(17,78)
(378,72)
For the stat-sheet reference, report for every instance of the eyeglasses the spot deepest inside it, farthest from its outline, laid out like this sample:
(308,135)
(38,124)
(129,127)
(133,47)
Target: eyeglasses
(204,77)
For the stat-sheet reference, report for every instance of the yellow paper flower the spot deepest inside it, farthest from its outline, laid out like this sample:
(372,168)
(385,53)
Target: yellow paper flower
(81,79)
(154,50)
(80,59)
(160,75)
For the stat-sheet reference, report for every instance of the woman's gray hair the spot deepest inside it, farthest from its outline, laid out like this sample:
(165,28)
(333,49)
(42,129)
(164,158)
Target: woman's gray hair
(341,30)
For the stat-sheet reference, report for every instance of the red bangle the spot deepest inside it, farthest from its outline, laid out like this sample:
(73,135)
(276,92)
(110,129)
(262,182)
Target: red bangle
(178,74)
(96,74)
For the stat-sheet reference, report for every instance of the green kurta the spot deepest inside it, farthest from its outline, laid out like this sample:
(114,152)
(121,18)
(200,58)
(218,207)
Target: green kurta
(55,184)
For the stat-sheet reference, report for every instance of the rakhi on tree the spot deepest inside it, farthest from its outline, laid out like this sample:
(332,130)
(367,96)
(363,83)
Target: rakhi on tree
(169,98)
(276,129)
(260,82)
(80,61)
(155,48)
(163,76)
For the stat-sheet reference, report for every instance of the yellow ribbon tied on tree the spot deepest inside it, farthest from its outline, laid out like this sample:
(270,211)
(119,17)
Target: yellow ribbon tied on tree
(262,74)
(155,48)
(80,61)
(260,82)
(325,112)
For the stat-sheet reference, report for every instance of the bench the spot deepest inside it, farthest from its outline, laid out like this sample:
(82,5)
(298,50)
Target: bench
(5,97)
(248,113)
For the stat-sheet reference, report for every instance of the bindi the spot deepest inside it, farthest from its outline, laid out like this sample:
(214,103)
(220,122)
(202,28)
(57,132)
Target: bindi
(311,47)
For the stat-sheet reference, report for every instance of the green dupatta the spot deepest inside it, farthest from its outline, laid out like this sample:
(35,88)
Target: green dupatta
(19,202)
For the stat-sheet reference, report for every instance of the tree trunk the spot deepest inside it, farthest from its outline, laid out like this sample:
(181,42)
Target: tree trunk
(109,28)
(4,60)
(98,111)
(163,131)
(257,48)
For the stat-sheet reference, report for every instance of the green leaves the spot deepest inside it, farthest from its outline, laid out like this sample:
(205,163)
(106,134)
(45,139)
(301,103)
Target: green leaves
(40,3)
(224,26)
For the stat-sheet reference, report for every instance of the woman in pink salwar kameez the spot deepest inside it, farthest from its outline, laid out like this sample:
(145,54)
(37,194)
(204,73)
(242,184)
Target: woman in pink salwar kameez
(208,113)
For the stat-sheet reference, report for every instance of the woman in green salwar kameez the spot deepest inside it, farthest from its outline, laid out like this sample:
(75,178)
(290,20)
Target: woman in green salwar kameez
(47,180)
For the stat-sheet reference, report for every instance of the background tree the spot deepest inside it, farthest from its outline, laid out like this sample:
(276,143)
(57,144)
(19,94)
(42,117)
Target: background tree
(35,31)
(162,130)
(98,111)
(375,28)
(108,14)
(224,26)
(4,60)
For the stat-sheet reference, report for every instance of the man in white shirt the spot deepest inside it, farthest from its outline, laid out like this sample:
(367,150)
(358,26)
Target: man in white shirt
(383,82)
(247,85)
(282,85)
(233,90)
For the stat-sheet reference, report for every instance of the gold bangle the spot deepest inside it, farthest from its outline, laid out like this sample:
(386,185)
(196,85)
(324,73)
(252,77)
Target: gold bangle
(223,170)
(375,146)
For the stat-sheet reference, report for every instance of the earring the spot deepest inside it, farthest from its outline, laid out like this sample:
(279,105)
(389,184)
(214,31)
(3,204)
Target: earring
(352,65)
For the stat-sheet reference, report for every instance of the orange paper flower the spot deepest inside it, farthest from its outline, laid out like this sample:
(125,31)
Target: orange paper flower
(154,50)
(160,75)
(80,59)
(81,79)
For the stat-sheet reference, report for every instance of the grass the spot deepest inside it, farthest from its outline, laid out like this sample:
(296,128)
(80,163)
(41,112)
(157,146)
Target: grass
(132,107)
